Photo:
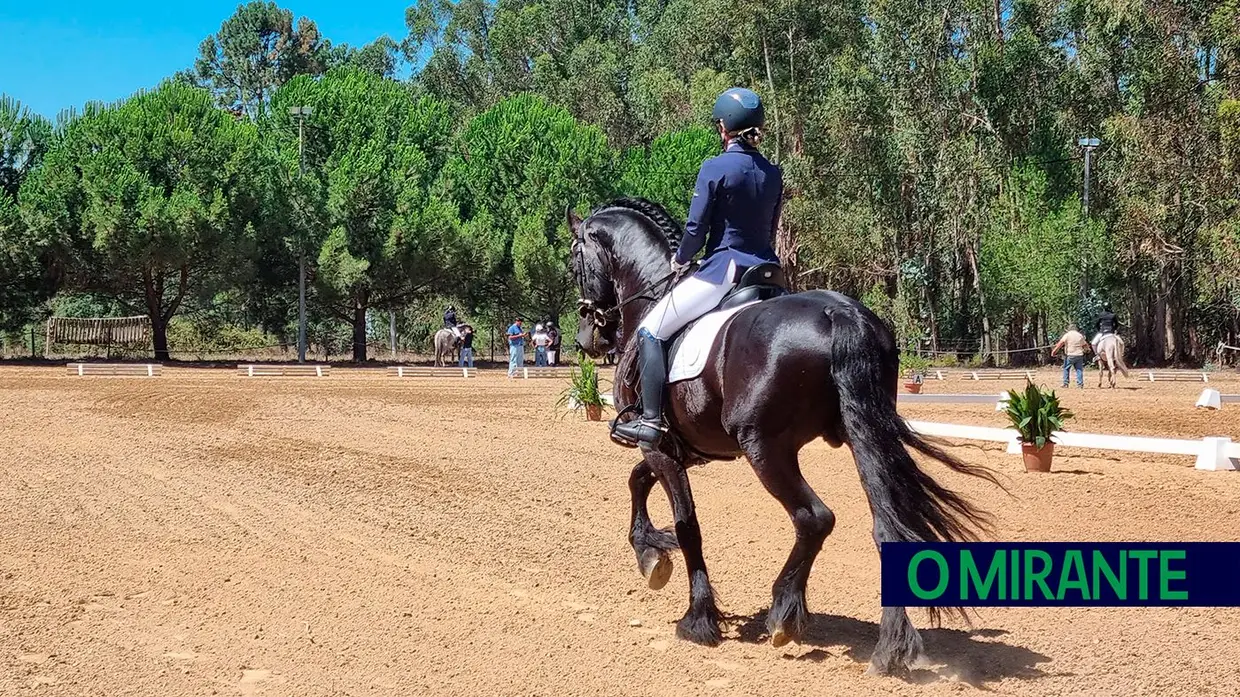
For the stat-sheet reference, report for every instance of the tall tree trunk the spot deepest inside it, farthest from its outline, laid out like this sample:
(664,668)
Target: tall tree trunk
(770,85)
(786,250)
(981,301)
(359,331)
(999,22)
(1162,335)
(1039,340)
(159,336)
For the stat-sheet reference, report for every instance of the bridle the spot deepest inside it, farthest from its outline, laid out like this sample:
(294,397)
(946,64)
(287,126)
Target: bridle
(590,308)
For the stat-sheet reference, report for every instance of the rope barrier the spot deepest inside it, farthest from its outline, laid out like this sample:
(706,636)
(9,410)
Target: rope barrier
(998,352)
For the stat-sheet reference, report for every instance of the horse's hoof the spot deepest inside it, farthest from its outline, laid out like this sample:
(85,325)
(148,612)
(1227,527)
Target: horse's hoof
(700,630)
(657,568)
(780,638)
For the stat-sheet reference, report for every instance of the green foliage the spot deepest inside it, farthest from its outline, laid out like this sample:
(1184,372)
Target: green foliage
(583,387)
(256,50)
(666,171)
(191,337)
(522,162)
(27,272)
(380,57)
(149,201)
(1036,414)
(914,365)
(366,209)
(929,151)
(1032,255)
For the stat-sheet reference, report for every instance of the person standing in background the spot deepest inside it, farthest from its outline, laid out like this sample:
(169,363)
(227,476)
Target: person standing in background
(553,351)
(541,342)
(467,346)
(516,347)
(1073,345)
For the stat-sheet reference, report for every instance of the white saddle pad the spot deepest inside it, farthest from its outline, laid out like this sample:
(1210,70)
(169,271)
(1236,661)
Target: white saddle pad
(698,343)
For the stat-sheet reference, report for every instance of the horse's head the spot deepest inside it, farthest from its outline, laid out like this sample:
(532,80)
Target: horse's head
(620,262)
(591,264)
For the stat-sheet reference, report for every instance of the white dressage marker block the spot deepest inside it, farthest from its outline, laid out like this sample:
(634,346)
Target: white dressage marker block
(1213,399)
(1210,399)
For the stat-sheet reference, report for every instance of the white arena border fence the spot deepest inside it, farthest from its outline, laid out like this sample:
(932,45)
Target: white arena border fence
(999,400)
(1213,453)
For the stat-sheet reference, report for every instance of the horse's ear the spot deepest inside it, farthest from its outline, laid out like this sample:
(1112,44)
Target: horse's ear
(574,221)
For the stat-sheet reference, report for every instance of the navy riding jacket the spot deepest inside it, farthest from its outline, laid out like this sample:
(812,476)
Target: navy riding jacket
(736,203)
(1107,322)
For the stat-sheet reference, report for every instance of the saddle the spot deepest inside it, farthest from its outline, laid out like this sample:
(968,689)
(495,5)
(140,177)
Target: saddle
(761,282)
(757,283)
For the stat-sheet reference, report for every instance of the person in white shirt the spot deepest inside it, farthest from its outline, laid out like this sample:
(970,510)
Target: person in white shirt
(541,341)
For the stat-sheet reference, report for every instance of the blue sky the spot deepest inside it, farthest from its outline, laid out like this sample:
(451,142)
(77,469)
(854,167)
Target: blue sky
(56,54)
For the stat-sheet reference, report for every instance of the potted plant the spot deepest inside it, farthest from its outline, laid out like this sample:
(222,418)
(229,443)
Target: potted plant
(915,371)
(583,390)
(1036,414)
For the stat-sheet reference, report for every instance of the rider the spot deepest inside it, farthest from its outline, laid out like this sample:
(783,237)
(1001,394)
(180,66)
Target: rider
(733,213)
(1107,324)
(449,321)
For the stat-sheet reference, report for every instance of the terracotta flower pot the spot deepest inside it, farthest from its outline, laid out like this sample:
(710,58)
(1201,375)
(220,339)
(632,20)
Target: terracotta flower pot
(914,387)
(594,412)
(1037,460)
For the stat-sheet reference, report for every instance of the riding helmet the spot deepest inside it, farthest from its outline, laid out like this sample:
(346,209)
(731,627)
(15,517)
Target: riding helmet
(739,109)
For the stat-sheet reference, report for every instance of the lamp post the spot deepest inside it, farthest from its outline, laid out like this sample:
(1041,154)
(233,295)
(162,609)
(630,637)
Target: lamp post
(300,113)
(1089,144)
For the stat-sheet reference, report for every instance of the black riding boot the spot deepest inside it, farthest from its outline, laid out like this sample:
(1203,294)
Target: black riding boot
(649,429)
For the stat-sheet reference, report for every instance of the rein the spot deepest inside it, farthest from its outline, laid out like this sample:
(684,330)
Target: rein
(600,316)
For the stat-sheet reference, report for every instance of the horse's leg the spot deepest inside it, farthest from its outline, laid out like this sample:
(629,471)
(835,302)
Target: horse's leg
(701,621)
(649,544)
(778,470)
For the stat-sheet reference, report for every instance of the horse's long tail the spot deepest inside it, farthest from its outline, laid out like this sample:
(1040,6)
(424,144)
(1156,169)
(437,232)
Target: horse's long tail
(1117,355)
(907,504)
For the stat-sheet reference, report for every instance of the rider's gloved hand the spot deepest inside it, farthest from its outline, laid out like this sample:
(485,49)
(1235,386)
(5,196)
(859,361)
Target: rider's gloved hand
(678,268)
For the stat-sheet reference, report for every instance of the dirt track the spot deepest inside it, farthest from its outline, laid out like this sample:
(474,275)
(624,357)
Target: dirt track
(200,534)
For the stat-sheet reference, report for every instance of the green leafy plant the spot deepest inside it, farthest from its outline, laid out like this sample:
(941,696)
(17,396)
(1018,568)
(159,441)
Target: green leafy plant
(583,386)
(914,366)
(1036,414)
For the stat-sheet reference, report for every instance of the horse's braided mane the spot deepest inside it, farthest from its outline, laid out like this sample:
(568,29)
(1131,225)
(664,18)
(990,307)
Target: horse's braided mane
(657,214)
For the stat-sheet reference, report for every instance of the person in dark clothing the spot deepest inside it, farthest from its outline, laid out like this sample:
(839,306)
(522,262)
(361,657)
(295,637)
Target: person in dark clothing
(449,321)
(553,352)
(467,347)
(1107,323)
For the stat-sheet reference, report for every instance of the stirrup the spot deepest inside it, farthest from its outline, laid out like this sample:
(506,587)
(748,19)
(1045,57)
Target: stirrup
(639,432)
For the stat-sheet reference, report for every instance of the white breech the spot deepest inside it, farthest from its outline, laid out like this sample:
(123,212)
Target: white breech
(688,300)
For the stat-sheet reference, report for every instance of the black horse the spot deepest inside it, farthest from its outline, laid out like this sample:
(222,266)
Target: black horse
(784,372)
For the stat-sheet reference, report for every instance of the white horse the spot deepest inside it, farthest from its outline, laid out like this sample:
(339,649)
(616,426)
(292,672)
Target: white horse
(1110,350)
(446,344)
